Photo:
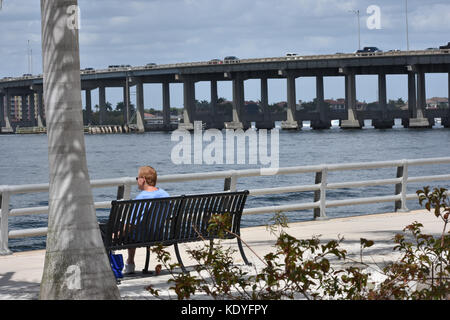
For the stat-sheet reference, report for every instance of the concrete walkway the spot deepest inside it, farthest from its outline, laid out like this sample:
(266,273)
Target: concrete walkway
(20,273)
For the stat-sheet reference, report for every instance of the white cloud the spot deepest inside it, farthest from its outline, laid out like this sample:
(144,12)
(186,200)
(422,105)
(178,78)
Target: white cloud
(427,18)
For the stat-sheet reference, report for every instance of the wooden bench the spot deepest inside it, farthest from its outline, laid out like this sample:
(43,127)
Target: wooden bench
(171,221)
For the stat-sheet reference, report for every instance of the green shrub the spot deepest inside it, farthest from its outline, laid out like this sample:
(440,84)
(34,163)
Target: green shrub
(304,269)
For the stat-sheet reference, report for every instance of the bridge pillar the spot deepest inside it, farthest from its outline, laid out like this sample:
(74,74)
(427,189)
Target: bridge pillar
(140,122)
(291,122)
(350,101)
(40,110)
(2,111)
(166,105)
(88,107)
(383,122)
(102,104)
(323,122)
(126,102)
(419,121)
(32,108)
(411,99)
(216,121)
(7,118)
(24,109)
(189,105)
(267,123)
(238,105)
(446,120)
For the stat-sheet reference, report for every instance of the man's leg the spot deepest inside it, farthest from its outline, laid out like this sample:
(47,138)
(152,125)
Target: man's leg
(129,266)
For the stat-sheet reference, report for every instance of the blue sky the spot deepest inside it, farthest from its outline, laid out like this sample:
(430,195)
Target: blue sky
(170,31)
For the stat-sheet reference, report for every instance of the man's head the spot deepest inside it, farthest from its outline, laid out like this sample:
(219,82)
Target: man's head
(146,176)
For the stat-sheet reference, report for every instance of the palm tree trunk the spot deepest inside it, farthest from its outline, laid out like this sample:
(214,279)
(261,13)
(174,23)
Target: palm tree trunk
(76,264)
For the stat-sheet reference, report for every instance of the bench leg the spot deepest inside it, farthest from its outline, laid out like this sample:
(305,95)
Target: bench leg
(147,260)
(241,249)
(177,252)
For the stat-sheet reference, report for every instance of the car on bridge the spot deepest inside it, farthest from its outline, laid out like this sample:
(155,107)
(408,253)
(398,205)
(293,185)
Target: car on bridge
(293,56)
(150,65)
(447,46)
(367,51)
(231,59)
(215,61)
(88,70)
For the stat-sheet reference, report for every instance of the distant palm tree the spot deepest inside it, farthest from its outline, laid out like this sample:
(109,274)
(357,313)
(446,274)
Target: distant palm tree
(76,265)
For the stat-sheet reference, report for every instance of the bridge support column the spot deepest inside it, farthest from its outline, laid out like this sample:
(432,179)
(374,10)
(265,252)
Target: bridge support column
(350,101)
(189,105)
(419,121)
(7,118)
(126,102)
(40,110)
(24,108)
(2,111)
(411,99)
(383,122)
(166,105)
(238,106)
(291,122)
(267,123)
(88,107)
(446,120)
(102,104)
(32,108)
(140,122)
(215,122)
(323,122)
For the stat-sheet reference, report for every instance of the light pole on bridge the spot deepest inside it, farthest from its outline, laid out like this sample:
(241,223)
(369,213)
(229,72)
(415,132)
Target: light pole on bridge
(406,16)
(359,27)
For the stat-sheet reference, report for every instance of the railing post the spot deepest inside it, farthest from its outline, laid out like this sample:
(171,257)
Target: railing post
(126,191)
(230,183)
(123,192)
(4,213)
(321,194)
(120,191)
(400,188)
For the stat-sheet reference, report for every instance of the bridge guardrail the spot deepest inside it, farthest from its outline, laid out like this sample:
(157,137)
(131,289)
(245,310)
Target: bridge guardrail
(320,188)
(252,60)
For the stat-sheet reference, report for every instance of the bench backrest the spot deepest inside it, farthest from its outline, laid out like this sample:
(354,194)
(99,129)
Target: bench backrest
(197,211)
(169,220)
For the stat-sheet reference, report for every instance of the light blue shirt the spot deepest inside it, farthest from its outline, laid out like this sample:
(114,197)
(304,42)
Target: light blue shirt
(160,193)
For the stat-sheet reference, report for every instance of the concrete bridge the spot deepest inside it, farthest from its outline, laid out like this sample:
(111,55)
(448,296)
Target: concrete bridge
(414,64)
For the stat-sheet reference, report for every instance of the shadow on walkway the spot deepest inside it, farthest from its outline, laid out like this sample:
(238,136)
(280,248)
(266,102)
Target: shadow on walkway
(17,290)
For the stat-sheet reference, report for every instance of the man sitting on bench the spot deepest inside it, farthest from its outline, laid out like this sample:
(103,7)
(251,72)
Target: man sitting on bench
(146,181)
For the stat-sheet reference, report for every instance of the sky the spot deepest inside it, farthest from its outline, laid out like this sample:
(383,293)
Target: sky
(137,32)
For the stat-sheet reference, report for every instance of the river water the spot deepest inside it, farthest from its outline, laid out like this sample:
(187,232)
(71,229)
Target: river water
(24,160)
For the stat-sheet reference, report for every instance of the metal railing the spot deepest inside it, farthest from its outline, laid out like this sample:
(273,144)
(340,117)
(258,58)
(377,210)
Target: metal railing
(320,188)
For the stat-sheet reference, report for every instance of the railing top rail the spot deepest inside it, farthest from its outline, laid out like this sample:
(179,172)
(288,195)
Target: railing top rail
(238,173)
